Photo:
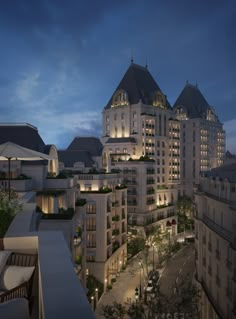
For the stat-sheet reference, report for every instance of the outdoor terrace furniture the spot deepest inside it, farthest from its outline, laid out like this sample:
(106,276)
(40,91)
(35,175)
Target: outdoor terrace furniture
(16,276)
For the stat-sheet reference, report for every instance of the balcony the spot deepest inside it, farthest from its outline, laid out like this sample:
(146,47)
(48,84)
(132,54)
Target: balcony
(115,218)
(115,232)
(59,183)
(58,296)
(115,204)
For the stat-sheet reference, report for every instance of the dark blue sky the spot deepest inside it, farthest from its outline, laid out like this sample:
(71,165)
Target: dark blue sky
(60,60)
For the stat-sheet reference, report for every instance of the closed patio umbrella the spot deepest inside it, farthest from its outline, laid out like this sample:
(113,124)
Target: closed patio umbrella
(11,151)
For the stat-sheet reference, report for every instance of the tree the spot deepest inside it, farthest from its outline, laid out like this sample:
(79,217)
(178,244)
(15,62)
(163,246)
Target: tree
(136,311)
(113,311)
(135,245)
(187,299)
(184,207)
(8,209)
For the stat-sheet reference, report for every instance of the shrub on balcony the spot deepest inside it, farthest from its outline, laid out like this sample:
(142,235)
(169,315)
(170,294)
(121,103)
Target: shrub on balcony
(116,218)
(8,209)
(115,246)
(122,186)
(80,202)
(78,260)
(115,232)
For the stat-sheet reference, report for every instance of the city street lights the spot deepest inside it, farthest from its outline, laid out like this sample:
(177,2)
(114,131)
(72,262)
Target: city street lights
(140,286)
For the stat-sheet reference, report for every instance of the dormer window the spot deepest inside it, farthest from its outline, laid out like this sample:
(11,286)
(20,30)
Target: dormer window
(120,98)
(210,115)
(159,100)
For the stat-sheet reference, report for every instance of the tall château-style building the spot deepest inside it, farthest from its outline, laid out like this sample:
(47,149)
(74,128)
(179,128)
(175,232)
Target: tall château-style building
(202,135)
(141,139)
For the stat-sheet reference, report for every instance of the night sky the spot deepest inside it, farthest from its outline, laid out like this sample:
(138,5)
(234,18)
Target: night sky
(61,61)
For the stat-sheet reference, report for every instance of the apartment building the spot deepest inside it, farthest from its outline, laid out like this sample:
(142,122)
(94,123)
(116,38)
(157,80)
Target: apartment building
(104,220)
(202,136)
(215,222)
(141,139)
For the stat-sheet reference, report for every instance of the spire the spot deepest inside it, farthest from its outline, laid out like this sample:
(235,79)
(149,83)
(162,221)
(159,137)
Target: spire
(146,65)
(132,57)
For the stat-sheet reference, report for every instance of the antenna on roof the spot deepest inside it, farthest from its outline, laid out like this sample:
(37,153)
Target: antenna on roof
(146,65)
(132,57)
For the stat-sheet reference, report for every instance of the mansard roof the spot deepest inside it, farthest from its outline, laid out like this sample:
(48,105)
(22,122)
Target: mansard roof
(92,145)
(139,85)
(192,102)
(23,134)
(227,171)
(69,158)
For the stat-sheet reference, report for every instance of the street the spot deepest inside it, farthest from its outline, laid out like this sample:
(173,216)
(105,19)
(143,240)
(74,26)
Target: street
(181,265)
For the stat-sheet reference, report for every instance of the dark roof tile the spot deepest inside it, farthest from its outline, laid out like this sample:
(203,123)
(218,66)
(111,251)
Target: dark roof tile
(139,84)
(90,144)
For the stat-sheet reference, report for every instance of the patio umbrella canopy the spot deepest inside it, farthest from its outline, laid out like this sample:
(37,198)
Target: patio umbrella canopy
(11,151)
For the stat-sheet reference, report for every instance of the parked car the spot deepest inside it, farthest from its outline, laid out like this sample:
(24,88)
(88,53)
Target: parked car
(149,286)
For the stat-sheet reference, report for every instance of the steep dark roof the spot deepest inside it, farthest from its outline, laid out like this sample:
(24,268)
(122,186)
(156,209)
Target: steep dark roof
(71,157)
(138,84)
(192,101)
(227,171)
(121,140)
(90,144)
(23,134)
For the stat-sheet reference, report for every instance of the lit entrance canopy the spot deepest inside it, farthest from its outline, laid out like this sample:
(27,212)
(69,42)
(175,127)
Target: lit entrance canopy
(11,151)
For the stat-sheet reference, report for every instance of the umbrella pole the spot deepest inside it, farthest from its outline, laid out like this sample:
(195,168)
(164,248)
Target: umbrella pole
(9,178)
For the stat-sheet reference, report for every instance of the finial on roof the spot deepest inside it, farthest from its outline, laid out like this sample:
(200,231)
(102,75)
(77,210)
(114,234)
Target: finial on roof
(186,82)
(146,65)
(132,57)
(196,85)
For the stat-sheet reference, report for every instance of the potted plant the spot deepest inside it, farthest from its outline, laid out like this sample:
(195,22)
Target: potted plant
(8,209)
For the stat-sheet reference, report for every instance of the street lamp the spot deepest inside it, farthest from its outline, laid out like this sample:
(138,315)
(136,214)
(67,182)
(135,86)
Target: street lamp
(96,296)
(153,265)
(140,286)
(136,294)
(92,302)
